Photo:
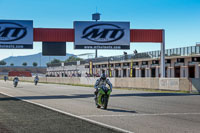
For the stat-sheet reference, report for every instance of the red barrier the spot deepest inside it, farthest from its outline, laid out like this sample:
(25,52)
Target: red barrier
(19,73)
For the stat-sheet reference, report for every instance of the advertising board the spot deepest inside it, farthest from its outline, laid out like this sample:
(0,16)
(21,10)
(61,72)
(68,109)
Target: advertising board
(101,35)
(16,34)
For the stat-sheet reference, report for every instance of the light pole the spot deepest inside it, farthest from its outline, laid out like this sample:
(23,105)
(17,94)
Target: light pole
(96,17)
(109,67)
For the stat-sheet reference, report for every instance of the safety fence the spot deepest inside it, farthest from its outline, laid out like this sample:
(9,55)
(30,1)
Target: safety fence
(174,84)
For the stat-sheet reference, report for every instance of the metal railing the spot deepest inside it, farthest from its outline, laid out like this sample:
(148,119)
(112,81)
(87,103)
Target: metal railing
(184,51)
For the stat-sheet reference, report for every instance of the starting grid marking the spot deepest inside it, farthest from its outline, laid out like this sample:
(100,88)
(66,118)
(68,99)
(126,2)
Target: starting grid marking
(159,114)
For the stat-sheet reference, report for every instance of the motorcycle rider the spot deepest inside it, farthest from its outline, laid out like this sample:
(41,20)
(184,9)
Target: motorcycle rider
(16,79)
(5,78)
(36,78)
(102,81)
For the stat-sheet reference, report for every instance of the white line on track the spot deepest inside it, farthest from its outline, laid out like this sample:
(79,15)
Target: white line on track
(159,114)
(76,116)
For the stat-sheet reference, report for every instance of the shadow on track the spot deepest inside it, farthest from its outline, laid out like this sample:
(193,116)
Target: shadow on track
(120,110)
(18,87)
(50,97)
(91,95)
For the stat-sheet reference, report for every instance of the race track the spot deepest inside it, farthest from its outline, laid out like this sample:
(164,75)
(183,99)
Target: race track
(135,111)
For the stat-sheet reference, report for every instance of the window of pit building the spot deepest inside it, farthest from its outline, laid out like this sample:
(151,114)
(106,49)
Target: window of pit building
(104,65)
(144,62)
(117,65)
(98,66)
(134,73)
(135,63)
(177,72)
(153,72)
(180,60)
(143,72)
(111,65)
(195,59)
(126,64)
(154,62)
(87,66)
(168,61)
(191,70)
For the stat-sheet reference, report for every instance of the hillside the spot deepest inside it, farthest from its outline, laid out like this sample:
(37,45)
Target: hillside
(29,59)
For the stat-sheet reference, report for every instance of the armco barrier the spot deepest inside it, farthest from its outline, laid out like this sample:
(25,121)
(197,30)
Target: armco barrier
(177,84)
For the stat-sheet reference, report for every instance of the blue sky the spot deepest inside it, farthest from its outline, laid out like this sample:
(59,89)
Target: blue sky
(179,18)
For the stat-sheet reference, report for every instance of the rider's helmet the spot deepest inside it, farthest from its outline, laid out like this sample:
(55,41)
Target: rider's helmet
(103,76)
(15,78)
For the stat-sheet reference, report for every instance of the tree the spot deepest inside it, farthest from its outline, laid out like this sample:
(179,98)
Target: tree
(11,64)
(48,64)
(24,64)
(35,64)
(73,58)
(55,61)
(2,62)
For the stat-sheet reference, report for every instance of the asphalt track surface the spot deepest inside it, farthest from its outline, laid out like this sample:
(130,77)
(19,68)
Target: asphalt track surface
(135,111)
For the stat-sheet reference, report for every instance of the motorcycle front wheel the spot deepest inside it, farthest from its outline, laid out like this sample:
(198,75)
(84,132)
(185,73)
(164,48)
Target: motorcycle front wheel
(98,106)
(105,104)
(15,85)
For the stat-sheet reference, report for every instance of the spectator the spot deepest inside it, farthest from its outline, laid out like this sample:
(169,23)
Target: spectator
(86,74)
(5,78)
(97,75)
(135,51)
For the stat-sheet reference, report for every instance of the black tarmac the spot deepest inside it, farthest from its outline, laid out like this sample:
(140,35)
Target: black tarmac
(17,116)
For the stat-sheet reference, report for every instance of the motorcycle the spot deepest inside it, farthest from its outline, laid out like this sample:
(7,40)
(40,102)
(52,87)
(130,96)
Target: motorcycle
(36,82)
(15,83)
(103,97)
(5,78)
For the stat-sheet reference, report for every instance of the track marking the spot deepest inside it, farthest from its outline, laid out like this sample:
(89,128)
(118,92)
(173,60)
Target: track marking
(73,115)
(159,114)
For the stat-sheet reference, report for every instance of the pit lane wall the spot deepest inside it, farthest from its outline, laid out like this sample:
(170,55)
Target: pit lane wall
(176,84)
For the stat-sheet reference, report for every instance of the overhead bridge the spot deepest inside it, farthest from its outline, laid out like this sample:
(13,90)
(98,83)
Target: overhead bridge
(67,35)
(136,35)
